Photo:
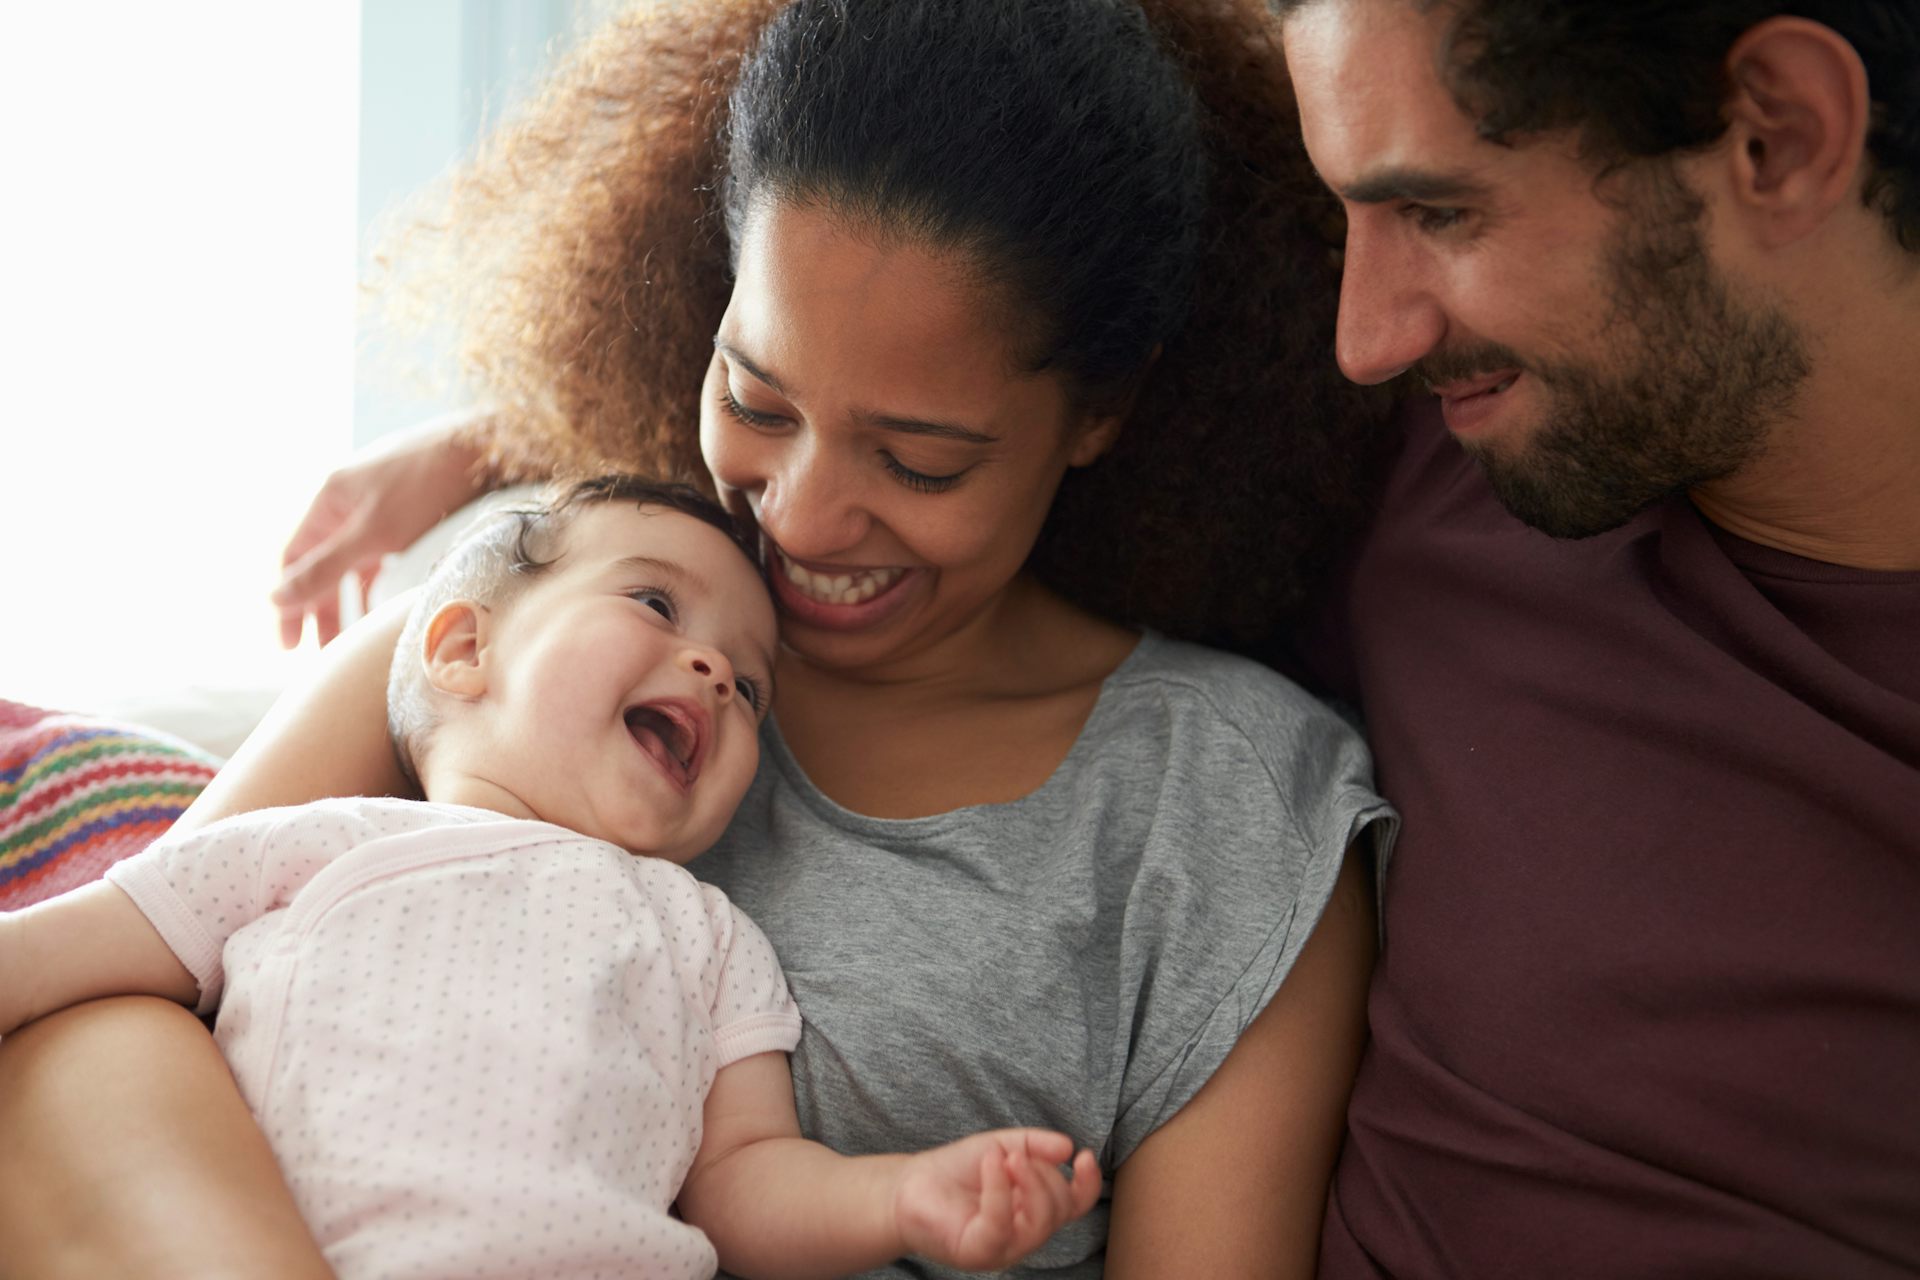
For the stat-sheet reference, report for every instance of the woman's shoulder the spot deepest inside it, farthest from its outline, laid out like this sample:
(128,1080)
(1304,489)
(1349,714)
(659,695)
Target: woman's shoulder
(1239,695)
(1227,738)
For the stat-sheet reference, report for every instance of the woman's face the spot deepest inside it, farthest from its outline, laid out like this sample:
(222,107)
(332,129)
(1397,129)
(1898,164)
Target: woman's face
(865,406)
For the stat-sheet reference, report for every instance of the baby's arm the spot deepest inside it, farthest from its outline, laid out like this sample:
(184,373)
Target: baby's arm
(80,946)
(775,1204)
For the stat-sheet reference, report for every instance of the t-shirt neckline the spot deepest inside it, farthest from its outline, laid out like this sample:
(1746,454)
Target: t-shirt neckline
(933,824)
(1757,560)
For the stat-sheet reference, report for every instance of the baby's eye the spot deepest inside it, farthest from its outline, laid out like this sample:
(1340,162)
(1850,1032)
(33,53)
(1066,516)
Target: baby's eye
(656,599)
(747,689)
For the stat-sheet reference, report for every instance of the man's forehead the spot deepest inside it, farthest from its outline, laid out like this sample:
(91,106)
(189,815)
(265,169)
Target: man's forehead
(1366,75)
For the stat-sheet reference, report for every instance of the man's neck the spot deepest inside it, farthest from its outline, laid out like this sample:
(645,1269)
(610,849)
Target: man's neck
(1839,482)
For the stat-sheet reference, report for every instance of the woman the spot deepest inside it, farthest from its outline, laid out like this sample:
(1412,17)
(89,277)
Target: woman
(1011,338)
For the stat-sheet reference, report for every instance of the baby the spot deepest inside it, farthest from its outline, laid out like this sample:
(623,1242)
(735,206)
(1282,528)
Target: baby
(482,1038)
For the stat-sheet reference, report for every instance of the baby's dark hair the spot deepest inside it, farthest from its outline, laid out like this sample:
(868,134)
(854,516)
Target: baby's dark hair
(498,558)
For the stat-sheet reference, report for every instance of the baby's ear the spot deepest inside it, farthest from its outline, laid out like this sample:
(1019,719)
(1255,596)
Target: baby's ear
(454,649)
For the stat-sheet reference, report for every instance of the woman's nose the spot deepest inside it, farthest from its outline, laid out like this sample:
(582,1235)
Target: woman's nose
(709,667)
(810,503)
(1389,319)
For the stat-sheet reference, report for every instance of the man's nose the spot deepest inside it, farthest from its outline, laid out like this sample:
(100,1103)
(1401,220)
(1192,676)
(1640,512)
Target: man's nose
(1389,317)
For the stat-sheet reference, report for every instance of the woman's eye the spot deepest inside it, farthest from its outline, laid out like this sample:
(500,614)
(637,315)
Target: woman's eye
(730,405)
(657,600)
(919,481)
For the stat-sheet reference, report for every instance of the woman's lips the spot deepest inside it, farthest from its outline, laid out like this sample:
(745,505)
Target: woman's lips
(836,597)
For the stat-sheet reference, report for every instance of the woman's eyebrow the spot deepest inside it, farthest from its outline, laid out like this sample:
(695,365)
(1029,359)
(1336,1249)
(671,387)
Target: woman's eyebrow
(921,427)
(866,417)
(733,355)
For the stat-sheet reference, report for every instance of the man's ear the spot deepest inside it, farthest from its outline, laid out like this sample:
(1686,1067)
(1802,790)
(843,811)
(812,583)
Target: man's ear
(1797,121)
(454,648)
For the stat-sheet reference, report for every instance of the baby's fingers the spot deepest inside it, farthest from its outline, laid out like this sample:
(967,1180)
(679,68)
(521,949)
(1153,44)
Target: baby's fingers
(1086,1184)
(996,1192)
(1043,1144)
(1049,1199)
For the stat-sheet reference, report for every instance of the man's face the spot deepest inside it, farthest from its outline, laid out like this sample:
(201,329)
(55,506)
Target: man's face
(1583,344)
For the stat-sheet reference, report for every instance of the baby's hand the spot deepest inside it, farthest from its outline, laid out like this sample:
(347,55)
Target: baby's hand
(985,1202)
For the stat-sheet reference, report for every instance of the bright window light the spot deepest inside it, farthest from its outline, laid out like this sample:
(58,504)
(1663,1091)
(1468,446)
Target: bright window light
(179,259)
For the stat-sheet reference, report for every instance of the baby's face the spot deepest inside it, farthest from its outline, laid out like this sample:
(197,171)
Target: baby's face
(626,686)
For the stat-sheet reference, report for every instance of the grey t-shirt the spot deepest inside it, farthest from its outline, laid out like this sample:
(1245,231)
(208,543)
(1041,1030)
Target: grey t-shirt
(1080,959)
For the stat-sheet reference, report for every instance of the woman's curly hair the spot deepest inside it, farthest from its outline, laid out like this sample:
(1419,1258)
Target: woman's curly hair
(585,254)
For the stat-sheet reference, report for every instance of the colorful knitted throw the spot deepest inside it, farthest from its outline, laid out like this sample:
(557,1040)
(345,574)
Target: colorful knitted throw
(79,794)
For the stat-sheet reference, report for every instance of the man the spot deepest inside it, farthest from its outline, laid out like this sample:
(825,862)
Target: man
(1649,1002)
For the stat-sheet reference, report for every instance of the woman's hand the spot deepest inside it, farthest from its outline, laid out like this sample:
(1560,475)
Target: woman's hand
(987,1201)
(379,503)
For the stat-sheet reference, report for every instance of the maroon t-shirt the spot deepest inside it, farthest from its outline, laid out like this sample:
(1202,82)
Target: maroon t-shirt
(1649,1003)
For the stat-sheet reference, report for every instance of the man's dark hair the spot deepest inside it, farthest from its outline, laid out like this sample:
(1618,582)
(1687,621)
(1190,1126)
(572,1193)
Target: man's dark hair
(1646,78)
(497,559)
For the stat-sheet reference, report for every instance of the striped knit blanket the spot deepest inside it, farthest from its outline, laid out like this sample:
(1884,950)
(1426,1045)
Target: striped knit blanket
(79,794)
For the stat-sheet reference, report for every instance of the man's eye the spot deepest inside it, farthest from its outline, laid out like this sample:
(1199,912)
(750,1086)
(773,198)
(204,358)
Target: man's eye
(1434,217)
(656,599)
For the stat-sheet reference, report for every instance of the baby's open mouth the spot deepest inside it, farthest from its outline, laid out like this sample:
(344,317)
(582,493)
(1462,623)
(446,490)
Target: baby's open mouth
(670,735)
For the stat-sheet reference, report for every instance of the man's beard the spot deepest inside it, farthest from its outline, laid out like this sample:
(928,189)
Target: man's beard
(1699,382)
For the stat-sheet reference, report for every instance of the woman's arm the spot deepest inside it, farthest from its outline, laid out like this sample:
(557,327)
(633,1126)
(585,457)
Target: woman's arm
(125,1149)
(327,737)
(379,502)
(1236,1183)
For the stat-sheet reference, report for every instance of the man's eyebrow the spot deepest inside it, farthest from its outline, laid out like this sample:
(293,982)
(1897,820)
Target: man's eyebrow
(1411,184)
(733,354)
(664,568)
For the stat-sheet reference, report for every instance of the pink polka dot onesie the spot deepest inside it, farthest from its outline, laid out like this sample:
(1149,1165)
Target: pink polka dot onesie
(479,1046)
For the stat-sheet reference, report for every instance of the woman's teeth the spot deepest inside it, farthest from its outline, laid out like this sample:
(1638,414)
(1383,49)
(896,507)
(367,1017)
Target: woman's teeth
(839,588)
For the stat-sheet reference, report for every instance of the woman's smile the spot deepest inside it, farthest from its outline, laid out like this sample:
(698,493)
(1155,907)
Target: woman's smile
(837,597)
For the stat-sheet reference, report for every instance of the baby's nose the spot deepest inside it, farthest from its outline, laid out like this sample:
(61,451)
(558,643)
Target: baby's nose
(708,668)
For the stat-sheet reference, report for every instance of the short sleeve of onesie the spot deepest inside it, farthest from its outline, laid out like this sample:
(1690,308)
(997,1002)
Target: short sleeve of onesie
(199,888)
(752,1010)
